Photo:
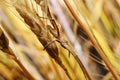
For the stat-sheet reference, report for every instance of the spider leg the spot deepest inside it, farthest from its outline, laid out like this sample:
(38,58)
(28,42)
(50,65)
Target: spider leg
(64,45)
(49,43)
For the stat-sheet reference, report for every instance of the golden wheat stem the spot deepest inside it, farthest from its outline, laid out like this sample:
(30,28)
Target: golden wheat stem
(93,40)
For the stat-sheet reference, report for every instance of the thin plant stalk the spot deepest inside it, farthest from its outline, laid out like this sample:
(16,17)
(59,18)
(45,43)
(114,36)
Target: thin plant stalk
(91,36)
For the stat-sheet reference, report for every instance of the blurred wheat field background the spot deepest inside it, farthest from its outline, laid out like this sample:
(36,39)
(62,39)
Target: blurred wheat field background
(59,39)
